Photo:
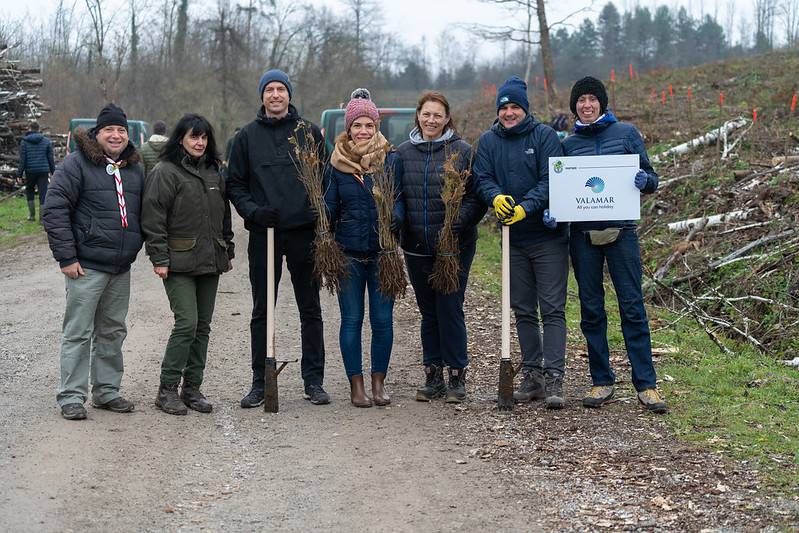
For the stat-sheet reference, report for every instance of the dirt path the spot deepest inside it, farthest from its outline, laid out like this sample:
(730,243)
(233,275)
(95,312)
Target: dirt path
(409,467)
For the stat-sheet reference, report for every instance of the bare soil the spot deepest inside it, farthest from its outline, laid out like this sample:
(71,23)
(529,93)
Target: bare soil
(408,467)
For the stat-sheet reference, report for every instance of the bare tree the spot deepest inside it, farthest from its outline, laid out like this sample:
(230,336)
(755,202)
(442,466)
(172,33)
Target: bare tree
(179,52)
(366,13)
(789,12)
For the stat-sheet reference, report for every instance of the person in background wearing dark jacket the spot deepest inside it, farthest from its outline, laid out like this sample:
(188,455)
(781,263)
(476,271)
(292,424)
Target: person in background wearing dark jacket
(443,329)
(512,171)
(597,132)
(36,163)
(91,215)
(188,236)
(151,149)
(263,186)
(359,151)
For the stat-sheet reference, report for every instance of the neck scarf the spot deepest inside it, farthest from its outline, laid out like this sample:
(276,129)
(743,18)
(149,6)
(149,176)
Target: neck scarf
(112,169)
(361,157)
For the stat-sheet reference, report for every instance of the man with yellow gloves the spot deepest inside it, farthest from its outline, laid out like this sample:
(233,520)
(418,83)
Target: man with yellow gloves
(511,170)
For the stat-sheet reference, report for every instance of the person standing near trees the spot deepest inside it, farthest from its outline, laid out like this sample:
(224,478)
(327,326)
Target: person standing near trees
(433,141)
(512,172)
(151,149)
(36,163)
(263,186)
(598,132)
(188,236)
(91,215)
(360,150)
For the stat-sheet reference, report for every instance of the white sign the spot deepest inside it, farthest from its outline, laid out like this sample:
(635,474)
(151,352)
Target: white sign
(596,187)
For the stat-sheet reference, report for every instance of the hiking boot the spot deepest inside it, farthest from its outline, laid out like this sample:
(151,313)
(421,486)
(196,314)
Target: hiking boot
(316,395)
(456,389)
(553,391)
(531,388)
(434,385)
(168,401)
(117,405)
(73,411)
(650,398)
(598,396)
(254,398)
(194,399)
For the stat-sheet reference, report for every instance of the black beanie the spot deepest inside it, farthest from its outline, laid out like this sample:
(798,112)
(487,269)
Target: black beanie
(589,85)
(111,115)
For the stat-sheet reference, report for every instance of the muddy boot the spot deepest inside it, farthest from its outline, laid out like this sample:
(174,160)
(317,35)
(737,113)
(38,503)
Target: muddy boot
(456,390)
(358,395)
(168,401)
(554,391)
(379,394)
(194,399)
(31,211)
(531,388)
(434,386)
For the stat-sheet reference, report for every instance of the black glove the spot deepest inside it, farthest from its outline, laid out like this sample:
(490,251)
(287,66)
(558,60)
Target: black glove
(457,227)
(266,217)
(395,226)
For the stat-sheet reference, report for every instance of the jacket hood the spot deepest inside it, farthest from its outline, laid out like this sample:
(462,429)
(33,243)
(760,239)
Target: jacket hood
(157,141)
(91,149)
(601,123)
(416,137)
(33,137)
(270,121)
(525,126)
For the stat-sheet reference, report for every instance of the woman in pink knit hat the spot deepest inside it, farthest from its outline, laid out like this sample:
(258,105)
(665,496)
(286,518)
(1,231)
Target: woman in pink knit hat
(359,151)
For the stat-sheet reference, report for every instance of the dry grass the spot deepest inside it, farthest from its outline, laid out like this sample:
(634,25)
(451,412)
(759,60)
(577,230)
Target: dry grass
(444,277)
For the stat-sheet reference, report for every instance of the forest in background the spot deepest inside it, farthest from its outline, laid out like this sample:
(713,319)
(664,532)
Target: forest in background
(162,58)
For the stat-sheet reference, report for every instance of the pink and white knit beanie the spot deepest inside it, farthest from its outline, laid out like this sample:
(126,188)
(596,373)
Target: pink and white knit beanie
(360,105)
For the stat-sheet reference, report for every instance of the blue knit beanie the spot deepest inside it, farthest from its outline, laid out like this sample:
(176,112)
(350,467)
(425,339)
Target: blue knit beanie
(274,75)
(514,90)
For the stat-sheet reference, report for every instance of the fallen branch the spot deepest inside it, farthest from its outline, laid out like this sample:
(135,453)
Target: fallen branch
(709,138)
(713,220)
(681,250)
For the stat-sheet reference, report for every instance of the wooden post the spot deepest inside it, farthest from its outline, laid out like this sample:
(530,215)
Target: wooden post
(506,373)
(271,403)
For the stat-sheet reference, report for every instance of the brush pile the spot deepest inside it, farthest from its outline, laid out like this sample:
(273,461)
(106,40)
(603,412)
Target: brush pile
(444,277)
(390,268)
(330,264)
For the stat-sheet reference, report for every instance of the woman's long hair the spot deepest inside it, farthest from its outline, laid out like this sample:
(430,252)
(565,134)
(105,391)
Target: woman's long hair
(435,96)
(173,150)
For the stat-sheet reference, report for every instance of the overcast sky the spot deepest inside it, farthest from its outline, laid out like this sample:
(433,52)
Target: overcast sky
(413,20)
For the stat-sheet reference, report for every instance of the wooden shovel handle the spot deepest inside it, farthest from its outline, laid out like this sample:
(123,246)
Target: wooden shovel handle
(270,292)
(505,292)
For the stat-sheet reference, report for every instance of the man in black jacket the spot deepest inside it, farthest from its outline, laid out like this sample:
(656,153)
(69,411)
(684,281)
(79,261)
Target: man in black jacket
(36,163)
(263,186)
(91,215)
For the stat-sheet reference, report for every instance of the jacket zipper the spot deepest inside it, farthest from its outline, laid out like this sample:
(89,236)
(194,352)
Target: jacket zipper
(426,164)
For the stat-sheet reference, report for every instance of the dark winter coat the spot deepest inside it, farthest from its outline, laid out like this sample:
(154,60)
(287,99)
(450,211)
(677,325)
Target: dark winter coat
(81,211)
(35,154)
(186,219)
(262,171)
(351,209)
(607,136)
(515,161)
(419,174)
(150,151)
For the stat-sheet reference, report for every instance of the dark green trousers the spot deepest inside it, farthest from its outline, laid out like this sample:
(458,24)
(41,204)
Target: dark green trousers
(192,300)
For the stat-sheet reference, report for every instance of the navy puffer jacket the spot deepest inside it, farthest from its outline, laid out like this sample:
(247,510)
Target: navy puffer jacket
(608,136)
(515,161)
(420,177)
(35,154)
(81,211)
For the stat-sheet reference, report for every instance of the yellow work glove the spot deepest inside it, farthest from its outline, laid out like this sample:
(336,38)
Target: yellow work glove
(518,214)
(503,205)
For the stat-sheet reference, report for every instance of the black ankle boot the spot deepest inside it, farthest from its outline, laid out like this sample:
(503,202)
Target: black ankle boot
(194,399)
(456,390)
(434,386)
(168,401)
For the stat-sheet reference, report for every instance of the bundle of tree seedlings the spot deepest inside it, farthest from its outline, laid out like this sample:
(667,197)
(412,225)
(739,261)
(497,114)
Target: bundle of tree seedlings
(444,277)
(390,268)
(330,265)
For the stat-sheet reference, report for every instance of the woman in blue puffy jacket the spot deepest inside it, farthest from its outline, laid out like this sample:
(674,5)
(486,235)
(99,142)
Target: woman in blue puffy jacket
(359,151)
(592,244)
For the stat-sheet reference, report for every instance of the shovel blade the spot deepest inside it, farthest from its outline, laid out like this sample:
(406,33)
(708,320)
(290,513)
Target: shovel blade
(270,386)
(505,396)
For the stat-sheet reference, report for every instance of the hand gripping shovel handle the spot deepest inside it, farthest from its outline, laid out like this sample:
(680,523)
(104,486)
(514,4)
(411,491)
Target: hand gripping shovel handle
(506,373)
(271,371)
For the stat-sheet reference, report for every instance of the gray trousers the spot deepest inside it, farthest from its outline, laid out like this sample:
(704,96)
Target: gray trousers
(93,332)
(538,279)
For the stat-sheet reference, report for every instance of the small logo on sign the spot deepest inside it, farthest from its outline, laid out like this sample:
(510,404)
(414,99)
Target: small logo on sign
(596,184)
(558,166)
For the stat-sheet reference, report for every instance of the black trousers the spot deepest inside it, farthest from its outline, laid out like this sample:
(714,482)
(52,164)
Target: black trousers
(296,246)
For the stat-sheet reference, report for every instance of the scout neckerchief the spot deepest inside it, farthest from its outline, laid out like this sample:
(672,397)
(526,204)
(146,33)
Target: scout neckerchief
(112,169)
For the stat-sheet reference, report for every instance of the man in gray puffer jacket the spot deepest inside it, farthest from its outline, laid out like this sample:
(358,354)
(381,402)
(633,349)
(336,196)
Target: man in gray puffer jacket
(91,215)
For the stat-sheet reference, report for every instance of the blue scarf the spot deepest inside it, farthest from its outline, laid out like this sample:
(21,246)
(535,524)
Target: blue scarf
(602,122)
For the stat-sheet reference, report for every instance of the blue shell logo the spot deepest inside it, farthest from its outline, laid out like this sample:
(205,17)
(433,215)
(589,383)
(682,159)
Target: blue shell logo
(596,184)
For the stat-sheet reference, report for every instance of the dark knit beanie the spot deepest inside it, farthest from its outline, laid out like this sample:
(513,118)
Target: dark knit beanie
(589,85)
(514,90)
(274,75)
(111,115)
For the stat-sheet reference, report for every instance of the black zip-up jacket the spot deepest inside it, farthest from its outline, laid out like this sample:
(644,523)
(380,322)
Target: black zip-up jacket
(420,172)
(81,210)
(262,170)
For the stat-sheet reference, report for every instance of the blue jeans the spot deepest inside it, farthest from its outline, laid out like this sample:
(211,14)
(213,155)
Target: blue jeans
(363,275)
(624,265)
(443,324)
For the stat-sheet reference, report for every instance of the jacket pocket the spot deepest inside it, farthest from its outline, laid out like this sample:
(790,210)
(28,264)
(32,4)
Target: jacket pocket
(181,254)
(221,255)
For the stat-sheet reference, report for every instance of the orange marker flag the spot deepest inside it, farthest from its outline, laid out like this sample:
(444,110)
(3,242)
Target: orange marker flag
(663,97)
(671,91)
(631,71)
(793,102)
(721,99)
(545,83)
(613,75)
(689,93)
(754,115)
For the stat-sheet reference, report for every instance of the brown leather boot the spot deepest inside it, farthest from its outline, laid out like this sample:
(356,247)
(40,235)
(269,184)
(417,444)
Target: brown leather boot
(358,395)
(379,393)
